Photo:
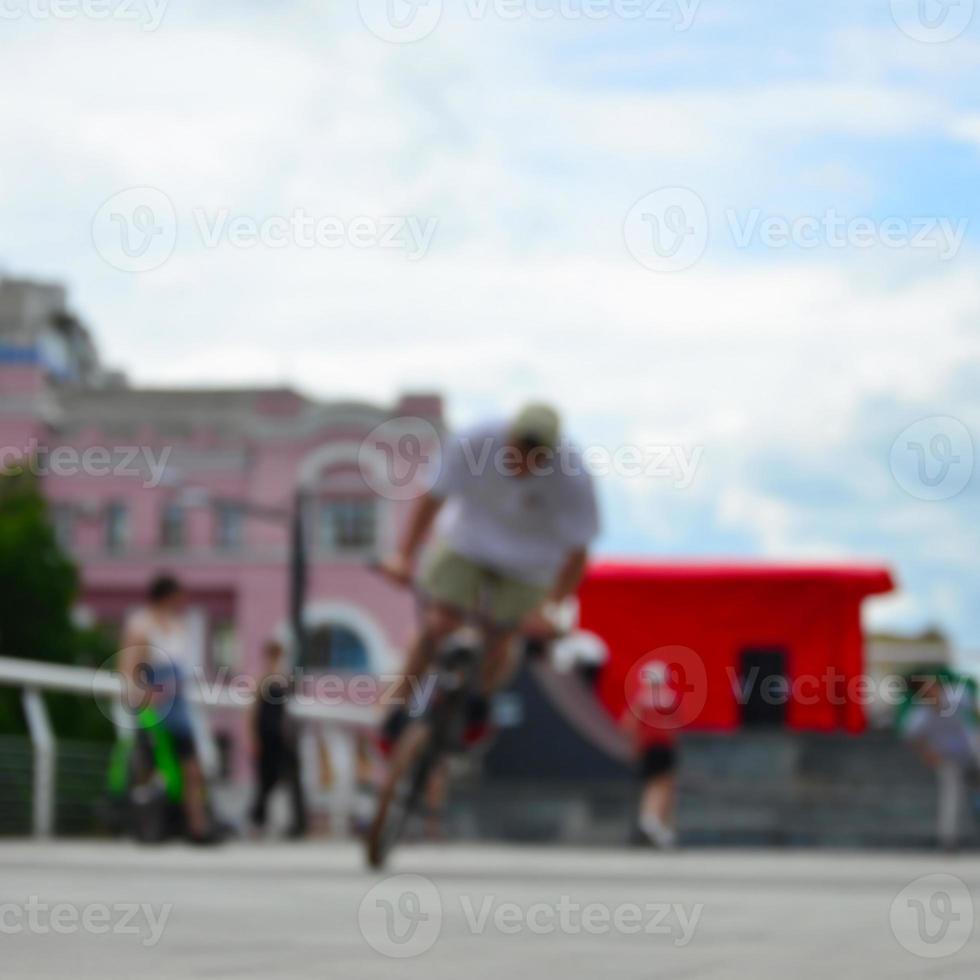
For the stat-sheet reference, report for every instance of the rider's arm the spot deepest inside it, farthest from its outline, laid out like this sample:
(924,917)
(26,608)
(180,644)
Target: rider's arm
(548,618)
(569,575)
(420,521)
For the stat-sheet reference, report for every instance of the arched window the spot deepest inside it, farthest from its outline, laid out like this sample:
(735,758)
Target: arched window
(336,648)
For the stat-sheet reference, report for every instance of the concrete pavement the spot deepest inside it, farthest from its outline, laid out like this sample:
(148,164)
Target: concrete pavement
(101,910)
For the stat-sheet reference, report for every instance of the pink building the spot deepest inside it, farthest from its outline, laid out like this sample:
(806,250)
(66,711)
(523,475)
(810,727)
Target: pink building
(200,482)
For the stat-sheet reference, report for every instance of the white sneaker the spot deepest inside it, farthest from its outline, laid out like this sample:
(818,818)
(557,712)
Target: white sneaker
(658,833)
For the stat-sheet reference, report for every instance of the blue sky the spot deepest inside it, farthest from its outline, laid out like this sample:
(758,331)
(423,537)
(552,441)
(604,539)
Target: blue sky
(789,372)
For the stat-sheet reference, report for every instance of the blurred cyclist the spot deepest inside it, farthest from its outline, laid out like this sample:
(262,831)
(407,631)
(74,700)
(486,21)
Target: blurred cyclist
(155,663)
(516,513)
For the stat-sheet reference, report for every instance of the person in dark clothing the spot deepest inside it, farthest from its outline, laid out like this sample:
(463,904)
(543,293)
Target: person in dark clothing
(276,756)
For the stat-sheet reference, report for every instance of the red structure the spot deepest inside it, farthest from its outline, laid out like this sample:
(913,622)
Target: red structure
(758,644)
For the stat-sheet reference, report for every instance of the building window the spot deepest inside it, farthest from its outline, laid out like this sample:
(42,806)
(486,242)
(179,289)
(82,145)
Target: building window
(229,522)
(223,652)
(348,524)
(172,526)
(63,524)
(116,527)
(336,648)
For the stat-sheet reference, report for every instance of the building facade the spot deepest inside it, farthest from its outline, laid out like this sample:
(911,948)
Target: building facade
(202,483)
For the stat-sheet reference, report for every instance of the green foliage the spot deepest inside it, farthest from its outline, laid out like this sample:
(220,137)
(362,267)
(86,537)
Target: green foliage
(38,588)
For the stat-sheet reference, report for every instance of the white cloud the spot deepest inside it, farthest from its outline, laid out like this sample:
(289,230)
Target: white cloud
(528,288)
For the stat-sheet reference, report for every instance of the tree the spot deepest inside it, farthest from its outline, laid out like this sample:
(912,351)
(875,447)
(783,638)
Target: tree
(39,585)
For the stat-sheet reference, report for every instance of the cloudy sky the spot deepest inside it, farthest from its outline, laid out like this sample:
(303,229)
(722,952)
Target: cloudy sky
(743,231)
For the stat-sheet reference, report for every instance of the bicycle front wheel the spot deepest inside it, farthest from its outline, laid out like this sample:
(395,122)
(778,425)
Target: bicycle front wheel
(401,794)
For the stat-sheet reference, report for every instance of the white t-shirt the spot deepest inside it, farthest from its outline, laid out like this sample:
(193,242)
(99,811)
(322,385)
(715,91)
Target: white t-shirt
(522,526)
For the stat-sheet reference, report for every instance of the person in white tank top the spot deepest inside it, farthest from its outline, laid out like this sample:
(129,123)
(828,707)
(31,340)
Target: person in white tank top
(155,662)
(164,633)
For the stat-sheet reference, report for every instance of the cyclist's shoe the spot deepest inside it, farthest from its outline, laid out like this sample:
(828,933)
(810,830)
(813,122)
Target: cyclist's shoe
(392,729)
(478,725)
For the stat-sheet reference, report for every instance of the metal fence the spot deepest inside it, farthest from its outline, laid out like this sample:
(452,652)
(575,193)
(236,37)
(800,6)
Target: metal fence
(39,776)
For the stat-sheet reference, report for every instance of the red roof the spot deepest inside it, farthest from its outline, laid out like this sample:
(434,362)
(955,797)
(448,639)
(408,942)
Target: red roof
(869,579)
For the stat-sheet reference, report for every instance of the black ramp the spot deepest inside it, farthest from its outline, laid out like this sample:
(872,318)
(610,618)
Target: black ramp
(563,733)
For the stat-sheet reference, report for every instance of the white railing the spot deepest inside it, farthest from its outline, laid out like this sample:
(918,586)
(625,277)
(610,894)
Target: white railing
(335,727)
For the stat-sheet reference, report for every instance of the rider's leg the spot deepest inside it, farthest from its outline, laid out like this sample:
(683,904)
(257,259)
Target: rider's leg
(438,623)
(452,586)
(501,661)
(511,602)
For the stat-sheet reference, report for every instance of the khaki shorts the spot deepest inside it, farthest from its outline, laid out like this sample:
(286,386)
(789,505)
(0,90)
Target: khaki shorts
(458,582)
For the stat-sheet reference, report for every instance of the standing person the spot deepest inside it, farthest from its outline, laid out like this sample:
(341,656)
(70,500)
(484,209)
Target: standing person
(941,721)
(647,705)
(155,664)
(277,755)
(514,512)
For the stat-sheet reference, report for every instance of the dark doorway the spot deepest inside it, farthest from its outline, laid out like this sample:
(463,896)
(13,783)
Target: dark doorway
(763,687)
